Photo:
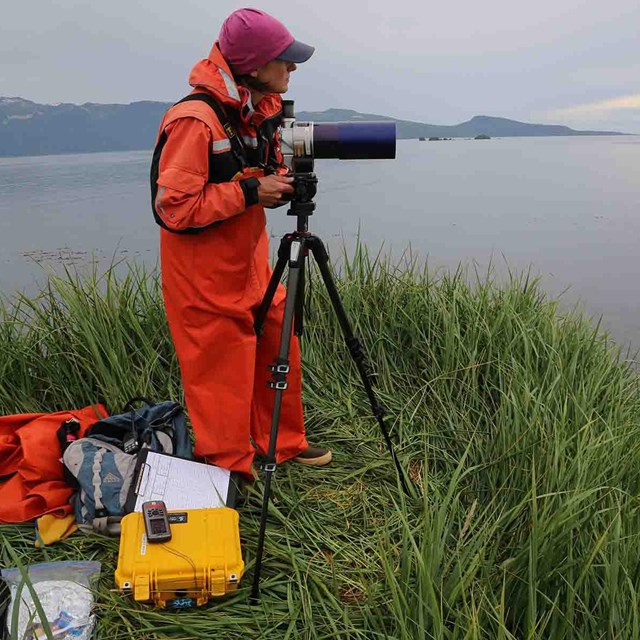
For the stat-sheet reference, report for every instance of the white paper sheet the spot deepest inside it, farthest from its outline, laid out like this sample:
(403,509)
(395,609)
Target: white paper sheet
(181,484)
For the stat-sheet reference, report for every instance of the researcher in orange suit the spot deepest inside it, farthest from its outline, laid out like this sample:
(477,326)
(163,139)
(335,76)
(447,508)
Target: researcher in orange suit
(216,166)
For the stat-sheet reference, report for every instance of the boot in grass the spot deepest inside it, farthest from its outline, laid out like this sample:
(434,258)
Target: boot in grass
(314,457)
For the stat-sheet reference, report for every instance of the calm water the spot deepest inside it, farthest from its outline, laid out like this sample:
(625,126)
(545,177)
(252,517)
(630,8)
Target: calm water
(568,208)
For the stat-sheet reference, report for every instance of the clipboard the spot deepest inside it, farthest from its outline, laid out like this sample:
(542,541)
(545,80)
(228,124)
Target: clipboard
(180,483)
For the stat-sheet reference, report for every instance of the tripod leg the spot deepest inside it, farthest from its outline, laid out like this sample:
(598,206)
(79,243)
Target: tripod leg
(274,281)
(298,325)
(279,370)
(355,348)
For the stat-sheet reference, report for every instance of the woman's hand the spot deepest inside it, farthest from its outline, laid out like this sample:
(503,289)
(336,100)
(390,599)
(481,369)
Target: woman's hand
(272,188)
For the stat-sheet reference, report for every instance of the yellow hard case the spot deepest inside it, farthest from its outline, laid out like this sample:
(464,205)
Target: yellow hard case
(202,560)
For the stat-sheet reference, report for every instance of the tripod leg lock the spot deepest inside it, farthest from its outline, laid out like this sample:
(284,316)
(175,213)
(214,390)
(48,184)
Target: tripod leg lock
(279,371)
(356,349)
(269,467)
(379,411)
(279,368)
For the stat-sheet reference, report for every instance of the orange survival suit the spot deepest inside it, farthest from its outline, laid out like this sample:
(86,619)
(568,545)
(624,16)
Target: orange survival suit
(32,481)
(215,268)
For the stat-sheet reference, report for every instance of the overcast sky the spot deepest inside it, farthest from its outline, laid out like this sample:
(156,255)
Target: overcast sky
(574,62)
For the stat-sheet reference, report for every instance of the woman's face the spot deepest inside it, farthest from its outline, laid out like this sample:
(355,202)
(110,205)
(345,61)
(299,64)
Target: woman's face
(274,75)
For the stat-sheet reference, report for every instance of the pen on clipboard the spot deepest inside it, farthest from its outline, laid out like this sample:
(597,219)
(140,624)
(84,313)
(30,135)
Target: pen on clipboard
(143,477)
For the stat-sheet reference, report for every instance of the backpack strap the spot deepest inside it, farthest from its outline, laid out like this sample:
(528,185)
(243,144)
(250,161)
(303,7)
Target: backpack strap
(128,407)
(237,145)
(238,150)
(100,514)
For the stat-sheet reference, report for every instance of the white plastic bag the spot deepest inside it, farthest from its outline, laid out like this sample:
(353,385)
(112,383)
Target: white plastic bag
(62,589)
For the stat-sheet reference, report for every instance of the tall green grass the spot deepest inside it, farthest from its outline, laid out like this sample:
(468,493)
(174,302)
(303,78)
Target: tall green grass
(518,425)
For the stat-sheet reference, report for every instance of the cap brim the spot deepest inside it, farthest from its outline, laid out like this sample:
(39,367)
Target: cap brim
(297,52)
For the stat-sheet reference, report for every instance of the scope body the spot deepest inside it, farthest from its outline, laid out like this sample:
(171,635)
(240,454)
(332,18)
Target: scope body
(343,140)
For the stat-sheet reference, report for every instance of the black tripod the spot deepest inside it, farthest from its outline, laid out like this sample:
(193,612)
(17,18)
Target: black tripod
(293,251)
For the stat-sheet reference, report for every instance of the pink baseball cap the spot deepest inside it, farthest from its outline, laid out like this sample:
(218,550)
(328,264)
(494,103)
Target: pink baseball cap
(249,38)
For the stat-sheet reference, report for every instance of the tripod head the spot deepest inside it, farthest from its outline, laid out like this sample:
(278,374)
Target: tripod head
(305,187)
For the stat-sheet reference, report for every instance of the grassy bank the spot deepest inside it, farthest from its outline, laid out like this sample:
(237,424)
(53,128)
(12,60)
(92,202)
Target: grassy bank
(519,428)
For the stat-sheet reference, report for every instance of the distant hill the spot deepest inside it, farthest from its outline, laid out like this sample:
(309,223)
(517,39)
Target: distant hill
(495,127)
(29,128)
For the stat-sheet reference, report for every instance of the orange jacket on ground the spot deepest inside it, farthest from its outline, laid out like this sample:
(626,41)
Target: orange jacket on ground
(213,281)
(31,472)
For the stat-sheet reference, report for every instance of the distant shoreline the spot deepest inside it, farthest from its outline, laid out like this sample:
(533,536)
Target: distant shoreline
(31,129)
